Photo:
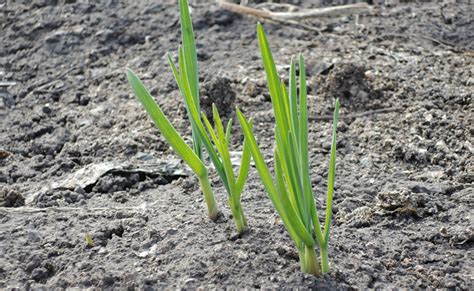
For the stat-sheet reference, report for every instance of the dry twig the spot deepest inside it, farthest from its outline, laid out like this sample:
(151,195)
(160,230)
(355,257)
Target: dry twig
(31,210)
(297,15)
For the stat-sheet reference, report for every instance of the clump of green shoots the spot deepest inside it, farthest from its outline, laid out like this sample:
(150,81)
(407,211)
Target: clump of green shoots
(234,186)
(217,148)
(291,192)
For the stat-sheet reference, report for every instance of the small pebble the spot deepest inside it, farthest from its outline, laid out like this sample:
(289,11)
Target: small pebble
(79,190)
(171,231)
(242,255)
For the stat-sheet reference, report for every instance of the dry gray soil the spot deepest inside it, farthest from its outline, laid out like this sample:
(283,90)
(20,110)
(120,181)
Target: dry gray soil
(78,155)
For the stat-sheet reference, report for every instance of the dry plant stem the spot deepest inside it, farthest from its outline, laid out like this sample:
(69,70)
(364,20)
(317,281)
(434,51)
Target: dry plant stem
(24,210)
(327,11)
(244,10)
(299,15)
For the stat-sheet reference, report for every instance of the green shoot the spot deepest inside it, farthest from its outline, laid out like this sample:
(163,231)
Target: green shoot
(290,190)
(189,88)
(217,145)
(190,66)
(234,186)
(89,241)
(176,141)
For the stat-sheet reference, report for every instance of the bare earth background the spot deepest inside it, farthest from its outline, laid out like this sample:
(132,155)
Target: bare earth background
(78,155)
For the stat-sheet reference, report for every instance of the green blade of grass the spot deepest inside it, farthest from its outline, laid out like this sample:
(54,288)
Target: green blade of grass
(215,157)
(281,188)
(286,210)
(210,130)
(245,164)
(274,84)
(228,132)
(288,171)
(291,212)
(331,175)
(219,142)
(303,140)
(192,103)
(294,102)
(303,116)
(190,52)
(296,175)
(303,151)
(179,81)
(224,152)
(165,127)
(286,103)
(218,123)
(196,123)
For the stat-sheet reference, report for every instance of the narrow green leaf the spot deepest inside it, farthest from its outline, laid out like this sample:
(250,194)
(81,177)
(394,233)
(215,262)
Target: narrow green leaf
(218,123)
(190,52)
(296,176)
(286,167)
(176,75)
(224,153)
(228,131)
(286,102)
(257,157)
(195,120)
(286,213)
(273,80)
(244,165)
(210,130)
(294,102)
(216,158)
(291,212)
(219,142)
(303,151)
(332,172)
(165,127)
(303,138)
(303,115)
(281,188)
(192,104)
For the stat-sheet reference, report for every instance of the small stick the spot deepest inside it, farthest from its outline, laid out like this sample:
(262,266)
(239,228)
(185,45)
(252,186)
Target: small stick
(244,10)
(326,11)
(29,210)
(298,15)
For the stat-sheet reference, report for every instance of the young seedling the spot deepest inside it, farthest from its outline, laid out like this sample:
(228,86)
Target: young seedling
(176,142)
(189,78)
(218,148)
(291,191)
(234,186)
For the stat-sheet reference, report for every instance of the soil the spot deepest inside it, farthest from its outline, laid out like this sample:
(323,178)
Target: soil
(80,159)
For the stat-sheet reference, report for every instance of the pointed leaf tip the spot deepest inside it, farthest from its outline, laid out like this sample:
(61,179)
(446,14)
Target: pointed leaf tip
(129,72)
